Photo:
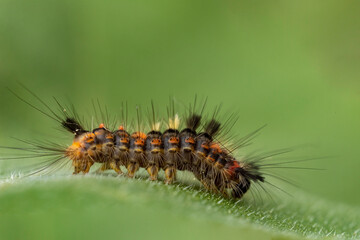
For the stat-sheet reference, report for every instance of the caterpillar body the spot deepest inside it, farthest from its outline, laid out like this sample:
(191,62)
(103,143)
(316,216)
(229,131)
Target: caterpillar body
(173,149)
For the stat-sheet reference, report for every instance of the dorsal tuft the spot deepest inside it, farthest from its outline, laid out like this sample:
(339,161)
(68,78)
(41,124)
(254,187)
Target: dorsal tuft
(174,122)
(212,127)
(193,121)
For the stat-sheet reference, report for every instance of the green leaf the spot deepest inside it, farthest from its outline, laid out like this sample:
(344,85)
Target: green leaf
(95,207)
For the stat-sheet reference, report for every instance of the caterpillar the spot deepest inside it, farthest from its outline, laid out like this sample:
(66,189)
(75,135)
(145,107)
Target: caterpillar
(196,147)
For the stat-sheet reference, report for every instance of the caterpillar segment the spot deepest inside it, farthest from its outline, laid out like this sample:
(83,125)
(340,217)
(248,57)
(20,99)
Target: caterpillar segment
(137,156)
(235,182)
(201,151)
(154,154)
(203,142)
(171,154)
(171,141)
(219,178)
(82,152)
(214,176)
(105,149)
(121,153)
(154,146)
(246,173)
(188,143)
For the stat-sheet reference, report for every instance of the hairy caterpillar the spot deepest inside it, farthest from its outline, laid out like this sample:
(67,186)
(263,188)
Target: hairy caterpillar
(195,147)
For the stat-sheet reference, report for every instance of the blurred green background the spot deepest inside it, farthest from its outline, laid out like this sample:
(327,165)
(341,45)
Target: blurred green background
(293,65)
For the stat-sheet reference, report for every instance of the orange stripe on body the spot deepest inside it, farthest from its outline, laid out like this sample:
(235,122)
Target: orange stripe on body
(190,140)
(174,140)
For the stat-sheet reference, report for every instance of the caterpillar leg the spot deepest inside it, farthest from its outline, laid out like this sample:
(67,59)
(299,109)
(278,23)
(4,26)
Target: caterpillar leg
(222,190)
(77,170)
(105,166)
(115,167)
(124,161)
(81,166)
(132,168)
(153,171)
(240,189)
(170,174)
(206,184)
(88,166)
(110,165)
